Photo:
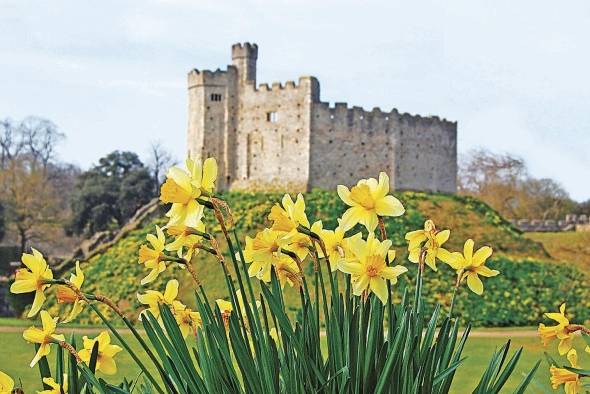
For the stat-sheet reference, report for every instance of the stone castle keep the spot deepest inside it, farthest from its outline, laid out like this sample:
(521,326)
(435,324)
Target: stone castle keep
(284,136)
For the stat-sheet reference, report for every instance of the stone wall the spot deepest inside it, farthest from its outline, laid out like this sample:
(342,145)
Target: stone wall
(351,143)
(571,222)
(273,135)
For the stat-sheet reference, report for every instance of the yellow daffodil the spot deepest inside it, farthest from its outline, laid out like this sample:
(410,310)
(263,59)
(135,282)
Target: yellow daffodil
(290,215)
(297,243)
(68,296)
(56,388)
(569,379)
(105,361)
(203,176)
(367,201)
(32,279)
(183,187)
(43,337)
(226,307)
(472,265)
(370,271)
(431,240)
(287,271)
(300,243)
(6,383)
(559,331)
(154,258)
(153,299)
(186,243)
(337,245)
(262,251)
(188,320)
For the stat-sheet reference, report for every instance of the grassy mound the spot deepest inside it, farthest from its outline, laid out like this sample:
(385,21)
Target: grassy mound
(567,247)
(527,287)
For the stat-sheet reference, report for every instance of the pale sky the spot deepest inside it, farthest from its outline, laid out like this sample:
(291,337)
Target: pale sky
(112,73)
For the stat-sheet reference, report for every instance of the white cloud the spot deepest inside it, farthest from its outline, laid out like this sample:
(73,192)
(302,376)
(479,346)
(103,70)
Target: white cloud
(112,73)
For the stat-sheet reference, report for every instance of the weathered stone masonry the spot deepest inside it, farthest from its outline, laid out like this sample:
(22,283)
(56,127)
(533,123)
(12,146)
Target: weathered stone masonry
(283,136)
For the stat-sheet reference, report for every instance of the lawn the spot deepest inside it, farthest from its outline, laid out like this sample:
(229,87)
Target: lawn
(570,247)
(16,355)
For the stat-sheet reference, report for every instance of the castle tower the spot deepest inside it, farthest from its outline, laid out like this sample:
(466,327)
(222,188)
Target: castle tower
(212,100)
(283,136)
(244,59)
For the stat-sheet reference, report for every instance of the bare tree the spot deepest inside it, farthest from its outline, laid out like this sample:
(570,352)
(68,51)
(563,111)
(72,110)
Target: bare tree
(41,138)
(10,141)
(502,181)
(159,161)
(33,136)
(32,202)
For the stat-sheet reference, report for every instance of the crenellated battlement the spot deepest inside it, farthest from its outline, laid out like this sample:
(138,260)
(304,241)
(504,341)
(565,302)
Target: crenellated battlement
(355,115)
(205,77)
(244,50)
(283,131)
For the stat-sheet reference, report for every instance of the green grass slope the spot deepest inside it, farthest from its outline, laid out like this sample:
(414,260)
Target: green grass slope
(529,285)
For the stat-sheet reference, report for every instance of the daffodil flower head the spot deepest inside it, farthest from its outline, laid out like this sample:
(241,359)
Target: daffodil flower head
(368,200)
(429,240)
(472,265)
(287,271)
(153,299)
(56,388)
(338,245)
(188,320)
(262,251)
(297,243)
(203,176)
(559,331)
(33,279)
(370,271)
(183,187)
(186,244)
(105,362)
(6,383)
(570,380)
(44,336)
(290,215)
(68,296)
(154,258)
(225,308)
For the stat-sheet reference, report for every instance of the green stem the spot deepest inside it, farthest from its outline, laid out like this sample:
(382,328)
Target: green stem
(453,301)
(418,293)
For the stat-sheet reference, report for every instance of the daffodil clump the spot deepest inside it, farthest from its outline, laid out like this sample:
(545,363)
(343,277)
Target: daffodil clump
(571,376)
(247,342)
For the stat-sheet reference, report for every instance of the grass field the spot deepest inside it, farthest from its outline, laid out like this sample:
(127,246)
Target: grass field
(568,247)
(16,355)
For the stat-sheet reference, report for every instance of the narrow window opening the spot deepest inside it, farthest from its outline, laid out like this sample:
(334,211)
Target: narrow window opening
(215,97)
(271,117)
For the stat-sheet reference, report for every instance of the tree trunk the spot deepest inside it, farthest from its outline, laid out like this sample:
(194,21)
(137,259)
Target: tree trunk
(22,233)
